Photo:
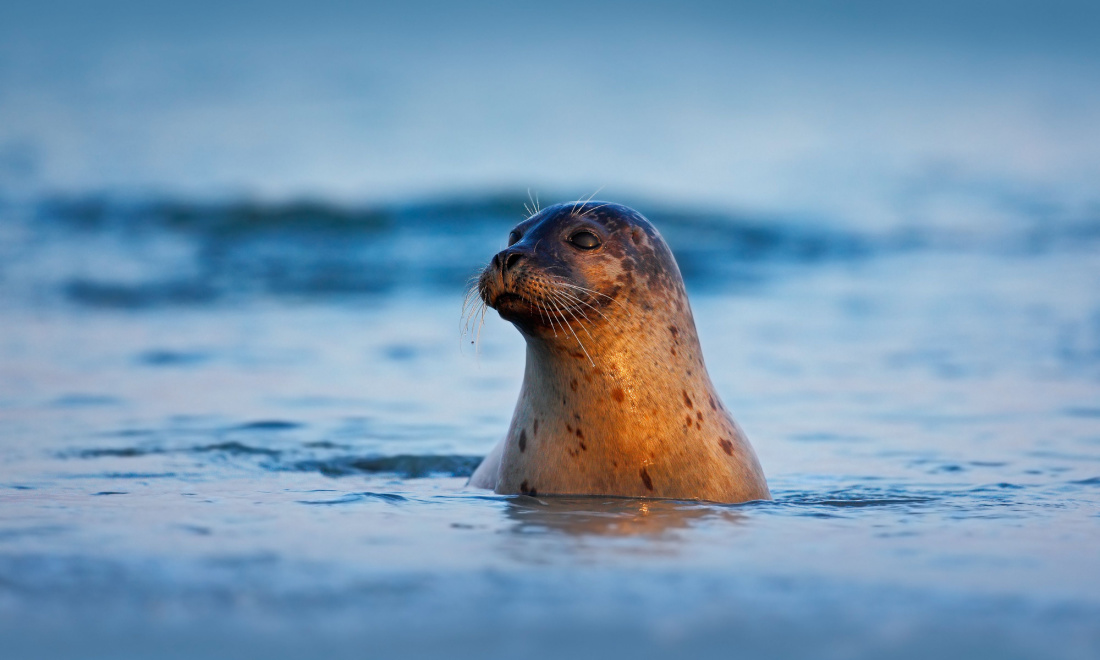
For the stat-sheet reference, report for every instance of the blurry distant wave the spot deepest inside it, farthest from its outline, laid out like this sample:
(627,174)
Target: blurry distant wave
(309,458)
(106,252)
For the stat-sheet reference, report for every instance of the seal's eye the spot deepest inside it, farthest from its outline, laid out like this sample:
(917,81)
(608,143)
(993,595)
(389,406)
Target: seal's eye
(513,236)
(585,240)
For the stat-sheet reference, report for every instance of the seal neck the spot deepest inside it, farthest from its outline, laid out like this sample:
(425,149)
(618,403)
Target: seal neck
(629,364)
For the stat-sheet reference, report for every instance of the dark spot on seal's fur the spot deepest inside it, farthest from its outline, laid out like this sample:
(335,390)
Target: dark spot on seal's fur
(674,330)
(727,446)
(573,384)
(687,399)
(522,440)
(569,428)
(687,421)
(646,480)
(584,447)
(712,406)
(618,394)
(673,352)
(580,435)
(699,416)
(527,491)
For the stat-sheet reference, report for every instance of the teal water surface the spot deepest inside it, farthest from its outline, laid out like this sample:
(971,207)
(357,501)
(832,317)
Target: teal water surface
(237,432)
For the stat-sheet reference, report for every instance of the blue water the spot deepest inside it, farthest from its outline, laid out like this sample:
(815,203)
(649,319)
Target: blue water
(237,411)
(946,112)
(244,430)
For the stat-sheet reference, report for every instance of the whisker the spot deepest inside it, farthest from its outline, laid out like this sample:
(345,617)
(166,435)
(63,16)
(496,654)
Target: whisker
(550,318)
(594,208)
(558,309)
(475,313)
(468,298)
(570,297)
(480,325)
(474,307)
(610,321)
(596,293)
(534,204)
(572,301)
(542,312)
(563,283)
(569,311)
(589,199)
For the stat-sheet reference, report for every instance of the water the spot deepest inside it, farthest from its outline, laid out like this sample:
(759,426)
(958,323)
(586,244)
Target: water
(945,111)
(236,413)
(244,430)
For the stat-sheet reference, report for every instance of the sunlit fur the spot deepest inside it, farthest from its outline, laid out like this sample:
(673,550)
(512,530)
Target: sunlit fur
(615,398)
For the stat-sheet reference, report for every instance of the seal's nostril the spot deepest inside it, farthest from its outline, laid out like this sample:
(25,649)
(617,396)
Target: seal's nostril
(511,260)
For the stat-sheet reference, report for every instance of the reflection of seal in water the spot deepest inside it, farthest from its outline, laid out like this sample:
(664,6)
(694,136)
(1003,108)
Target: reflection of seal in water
(615,397)
(587,516)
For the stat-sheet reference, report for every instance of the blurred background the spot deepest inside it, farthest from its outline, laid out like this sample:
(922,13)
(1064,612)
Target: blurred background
(878,113)
(237,411)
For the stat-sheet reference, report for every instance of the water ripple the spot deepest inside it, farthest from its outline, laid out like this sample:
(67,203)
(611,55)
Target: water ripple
(392,498)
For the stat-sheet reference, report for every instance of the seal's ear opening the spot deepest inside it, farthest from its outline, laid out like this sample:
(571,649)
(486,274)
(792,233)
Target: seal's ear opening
(636,235)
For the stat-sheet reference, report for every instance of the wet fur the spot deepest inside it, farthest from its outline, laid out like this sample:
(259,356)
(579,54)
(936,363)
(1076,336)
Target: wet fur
(615,398)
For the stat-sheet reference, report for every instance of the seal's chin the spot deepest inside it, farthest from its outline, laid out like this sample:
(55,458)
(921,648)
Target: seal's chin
(512,307)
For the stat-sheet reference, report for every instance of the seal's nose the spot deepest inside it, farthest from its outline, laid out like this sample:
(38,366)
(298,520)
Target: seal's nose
(505,260)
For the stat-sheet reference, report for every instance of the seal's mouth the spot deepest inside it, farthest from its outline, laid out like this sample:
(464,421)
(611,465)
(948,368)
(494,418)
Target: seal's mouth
(506,299)
(512,306)
(535,300)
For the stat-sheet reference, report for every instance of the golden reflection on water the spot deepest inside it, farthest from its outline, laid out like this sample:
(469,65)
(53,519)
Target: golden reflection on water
(611,517)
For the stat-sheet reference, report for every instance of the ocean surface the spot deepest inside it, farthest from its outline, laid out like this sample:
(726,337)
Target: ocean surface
(243,429)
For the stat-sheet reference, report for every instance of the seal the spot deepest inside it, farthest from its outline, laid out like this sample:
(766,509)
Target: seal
(616,399)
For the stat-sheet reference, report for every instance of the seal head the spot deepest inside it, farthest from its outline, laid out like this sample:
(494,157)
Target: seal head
(616,399)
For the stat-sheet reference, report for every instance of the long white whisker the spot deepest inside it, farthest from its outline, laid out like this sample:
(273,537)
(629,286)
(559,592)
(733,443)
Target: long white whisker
(596,293)
(569,310)
(594,208)
(589,199)
(571,297)
(550,317)
(467,301)
(480,325)
(542,312)
(579,298)
(534,204)
(574,333)
(582,290)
